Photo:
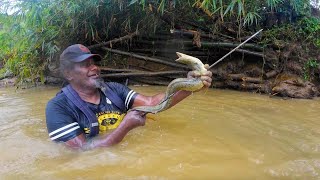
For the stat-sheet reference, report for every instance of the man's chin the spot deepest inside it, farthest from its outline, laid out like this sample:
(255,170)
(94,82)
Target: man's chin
(98,82)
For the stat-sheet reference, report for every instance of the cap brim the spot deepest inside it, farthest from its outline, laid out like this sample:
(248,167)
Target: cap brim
(81,58)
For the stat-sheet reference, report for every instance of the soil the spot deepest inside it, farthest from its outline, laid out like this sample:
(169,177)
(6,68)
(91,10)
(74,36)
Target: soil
(8,82)
(281,72)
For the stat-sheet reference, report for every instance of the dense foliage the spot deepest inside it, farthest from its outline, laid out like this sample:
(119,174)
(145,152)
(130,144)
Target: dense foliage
(34,34)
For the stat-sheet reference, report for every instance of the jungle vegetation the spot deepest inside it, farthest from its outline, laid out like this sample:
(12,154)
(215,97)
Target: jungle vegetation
(33,32)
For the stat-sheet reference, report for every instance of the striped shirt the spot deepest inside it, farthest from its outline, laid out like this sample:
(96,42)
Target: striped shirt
(65,121)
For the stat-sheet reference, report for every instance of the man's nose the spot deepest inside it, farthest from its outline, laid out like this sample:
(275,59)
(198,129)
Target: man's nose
(93,66)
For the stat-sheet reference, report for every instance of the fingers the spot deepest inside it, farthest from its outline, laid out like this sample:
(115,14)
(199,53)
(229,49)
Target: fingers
(206,79)
(206,66)
(208,73)
(143,114)
(139,113)
(133,112)
(196,74)
(142,118)
(137,117)
(193,74)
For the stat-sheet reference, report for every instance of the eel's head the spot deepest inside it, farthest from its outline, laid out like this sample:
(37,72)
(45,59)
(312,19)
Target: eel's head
(193,62)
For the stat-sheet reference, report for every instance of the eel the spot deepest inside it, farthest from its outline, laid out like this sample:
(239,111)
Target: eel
(187,84)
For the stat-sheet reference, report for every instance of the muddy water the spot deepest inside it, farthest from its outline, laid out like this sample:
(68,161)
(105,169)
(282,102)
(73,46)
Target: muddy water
(218,134)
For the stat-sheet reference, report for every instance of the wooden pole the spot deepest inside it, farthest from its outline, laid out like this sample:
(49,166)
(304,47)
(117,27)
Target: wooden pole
(235,49)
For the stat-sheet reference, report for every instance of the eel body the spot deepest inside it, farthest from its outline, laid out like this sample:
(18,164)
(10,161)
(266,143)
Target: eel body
(188,84)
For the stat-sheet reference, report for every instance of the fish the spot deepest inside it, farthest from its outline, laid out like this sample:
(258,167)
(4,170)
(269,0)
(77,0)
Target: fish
(187,84)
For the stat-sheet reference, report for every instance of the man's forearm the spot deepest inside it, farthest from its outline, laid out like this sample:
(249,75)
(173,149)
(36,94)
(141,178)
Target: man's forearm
(179,96)
(108,140)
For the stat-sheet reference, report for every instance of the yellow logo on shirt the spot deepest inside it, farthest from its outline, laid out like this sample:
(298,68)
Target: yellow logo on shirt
(86,130)
(109,120)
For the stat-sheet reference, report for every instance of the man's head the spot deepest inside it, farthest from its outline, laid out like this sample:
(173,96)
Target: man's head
(77,65)
(75,54)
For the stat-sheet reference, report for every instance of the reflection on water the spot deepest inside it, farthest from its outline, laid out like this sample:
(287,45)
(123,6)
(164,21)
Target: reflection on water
(216,134)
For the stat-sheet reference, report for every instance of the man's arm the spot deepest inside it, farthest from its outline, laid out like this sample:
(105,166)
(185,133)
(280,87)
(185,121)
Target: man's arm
(142,100)
(131,120)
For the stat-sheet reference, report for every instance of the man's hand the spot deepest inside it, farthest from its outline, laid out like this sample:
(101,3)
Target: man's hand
(131,120)
(206,78)
(134,119)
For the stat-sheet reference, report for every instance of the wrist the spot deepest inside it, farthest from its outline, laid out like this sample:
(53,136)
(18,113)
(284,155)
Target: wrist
(126,125)
(184,93)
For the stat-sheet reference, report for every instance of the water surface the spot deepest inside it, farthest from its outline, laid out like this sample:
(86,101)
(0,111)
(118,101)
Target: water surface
(217,134)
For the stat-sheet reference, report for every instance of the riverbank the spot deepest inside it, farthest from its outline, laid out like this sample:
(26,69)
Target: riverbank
(8,82)
(283,86)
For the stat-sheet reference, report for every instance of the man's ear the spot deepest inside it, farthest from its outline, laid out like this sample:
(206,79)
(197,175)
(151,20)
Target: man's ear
(68,75)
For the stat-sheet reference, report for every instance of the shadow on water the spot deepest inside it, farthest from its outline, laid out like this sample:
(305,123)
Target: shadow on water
(217,134)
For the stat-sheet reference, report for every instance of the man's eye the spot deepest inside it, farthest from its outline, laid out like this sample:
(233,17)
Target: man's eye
(97,63)
(85,64)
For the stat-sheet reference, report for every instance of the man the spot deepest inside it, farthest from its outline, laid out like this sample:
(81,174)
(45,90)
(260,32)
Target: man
(88,106)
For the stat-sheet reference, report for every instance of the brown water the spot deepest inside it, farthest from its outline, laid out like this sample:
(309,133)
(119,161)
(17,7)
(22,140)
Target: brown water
(219,134)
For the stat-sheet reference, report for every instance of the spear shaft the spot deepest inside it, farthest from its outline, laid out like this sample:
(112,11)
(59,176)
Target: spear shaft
(235,49)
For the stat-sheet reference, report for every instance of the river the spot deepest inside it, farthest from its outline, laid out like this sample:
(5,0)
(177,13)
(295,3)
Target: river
(216,134)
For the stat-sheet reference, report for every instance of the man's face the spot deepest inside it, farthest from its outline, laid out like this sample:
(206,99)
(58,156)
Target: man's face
(85,74)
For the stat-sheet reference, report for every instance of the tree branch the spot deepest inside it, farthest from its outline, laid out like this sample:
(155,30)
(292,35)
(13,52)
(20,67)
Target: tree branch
(147,58)
(139,74)
(109,43)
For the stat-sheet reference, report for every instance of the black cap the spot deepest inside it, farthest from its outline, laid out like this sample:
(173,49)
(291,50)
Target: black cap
(78,53)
